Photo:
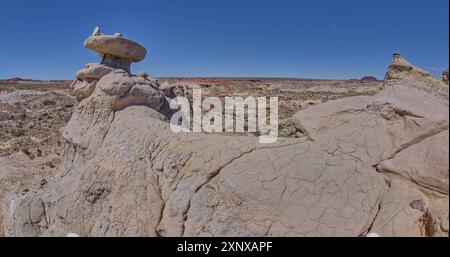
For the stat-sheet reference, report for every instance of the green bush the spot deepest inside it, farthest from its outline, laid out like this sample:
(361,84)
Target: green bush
(25,150)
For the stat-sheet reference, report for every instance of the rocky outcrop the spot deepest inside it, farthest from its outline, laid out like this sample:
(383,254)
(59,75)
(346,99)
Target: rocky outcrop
(125,173)
(18,176)
(402,73)
(445,76)
(424,163)
(402,132)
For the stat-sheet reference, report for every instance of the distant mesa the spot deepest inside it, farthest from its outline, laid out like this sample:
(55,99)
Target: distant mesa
(367,79)
(18,80)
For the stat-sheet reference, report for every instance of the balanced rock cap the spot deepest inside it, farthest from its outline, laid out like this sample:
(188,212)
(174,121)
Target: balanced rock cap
(115,45)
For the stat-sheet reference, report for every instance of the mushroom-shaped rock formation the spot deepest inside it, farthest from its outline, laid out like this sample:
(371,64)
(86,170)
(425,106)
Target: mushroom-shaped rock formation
(111,79)
(370,166)
(116,51)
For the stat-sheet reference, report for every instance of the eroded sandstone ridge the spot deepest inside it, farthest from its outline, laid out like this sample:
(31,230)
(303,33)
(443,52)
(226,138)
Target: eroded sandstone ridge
(370,164)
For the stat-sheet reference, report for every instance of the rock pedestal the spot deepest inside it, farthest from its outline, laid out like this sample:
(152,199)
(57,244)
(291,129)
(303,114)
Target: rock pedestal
(116,51)
(116,63)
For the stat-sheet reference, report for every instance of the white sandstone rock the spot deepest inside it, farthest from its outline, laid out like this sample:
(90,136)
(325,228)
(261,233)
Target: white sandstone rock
(116,46)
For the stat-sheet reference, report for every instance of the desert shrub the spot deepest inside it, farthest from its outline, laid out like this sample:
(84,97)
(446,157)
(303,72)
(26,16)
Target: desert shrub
(50,164)
(48,103)
(23,115)
(25,150)
(18,132)
(39,153)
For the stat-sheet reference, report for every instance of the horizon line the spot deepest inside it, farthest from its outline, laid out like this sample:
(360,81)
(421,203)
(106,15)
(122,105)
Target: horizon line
(211,77)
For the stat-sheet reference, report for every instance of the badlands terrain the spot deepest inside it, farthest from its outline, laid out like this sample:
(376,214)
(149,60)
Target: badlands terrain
(96,157)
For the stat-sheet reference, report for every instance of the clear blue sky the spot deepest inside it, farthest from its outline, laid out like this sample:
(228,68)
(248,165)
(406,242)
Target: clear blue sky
(284,38)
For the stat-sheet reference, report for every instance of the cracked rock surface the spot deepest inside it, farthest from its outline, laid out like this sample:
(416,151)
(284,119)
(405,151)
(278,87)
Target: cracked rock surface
(375,164)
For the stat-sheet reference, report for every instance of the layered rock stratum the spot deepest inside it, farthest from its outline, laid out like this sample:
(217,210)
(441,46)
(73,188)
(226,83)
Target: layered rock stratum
(367,164)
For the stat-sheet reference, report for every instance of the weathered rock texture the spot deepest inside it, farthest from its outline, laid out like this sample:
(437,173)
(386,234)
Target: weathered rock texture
(402,132)
(115,50)
(402,73)
(372,164)
(115,45)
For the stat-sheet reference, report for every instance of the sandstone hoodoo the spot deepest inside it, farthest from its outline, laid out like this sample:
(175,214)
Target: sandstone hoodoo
(116,51)
(367,165)
(112,76)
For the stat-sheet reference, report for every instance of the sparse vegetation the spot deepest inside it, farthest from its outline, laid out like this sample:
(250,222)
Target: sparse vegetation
(50,164)
(17,132)
(48,103)
(25,151)
(23,115)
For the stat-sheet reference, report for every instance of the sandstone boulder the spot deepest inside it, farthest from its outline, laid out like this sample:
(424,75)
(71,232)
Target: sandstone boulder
(117,46)
(116,51)
(425,163)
